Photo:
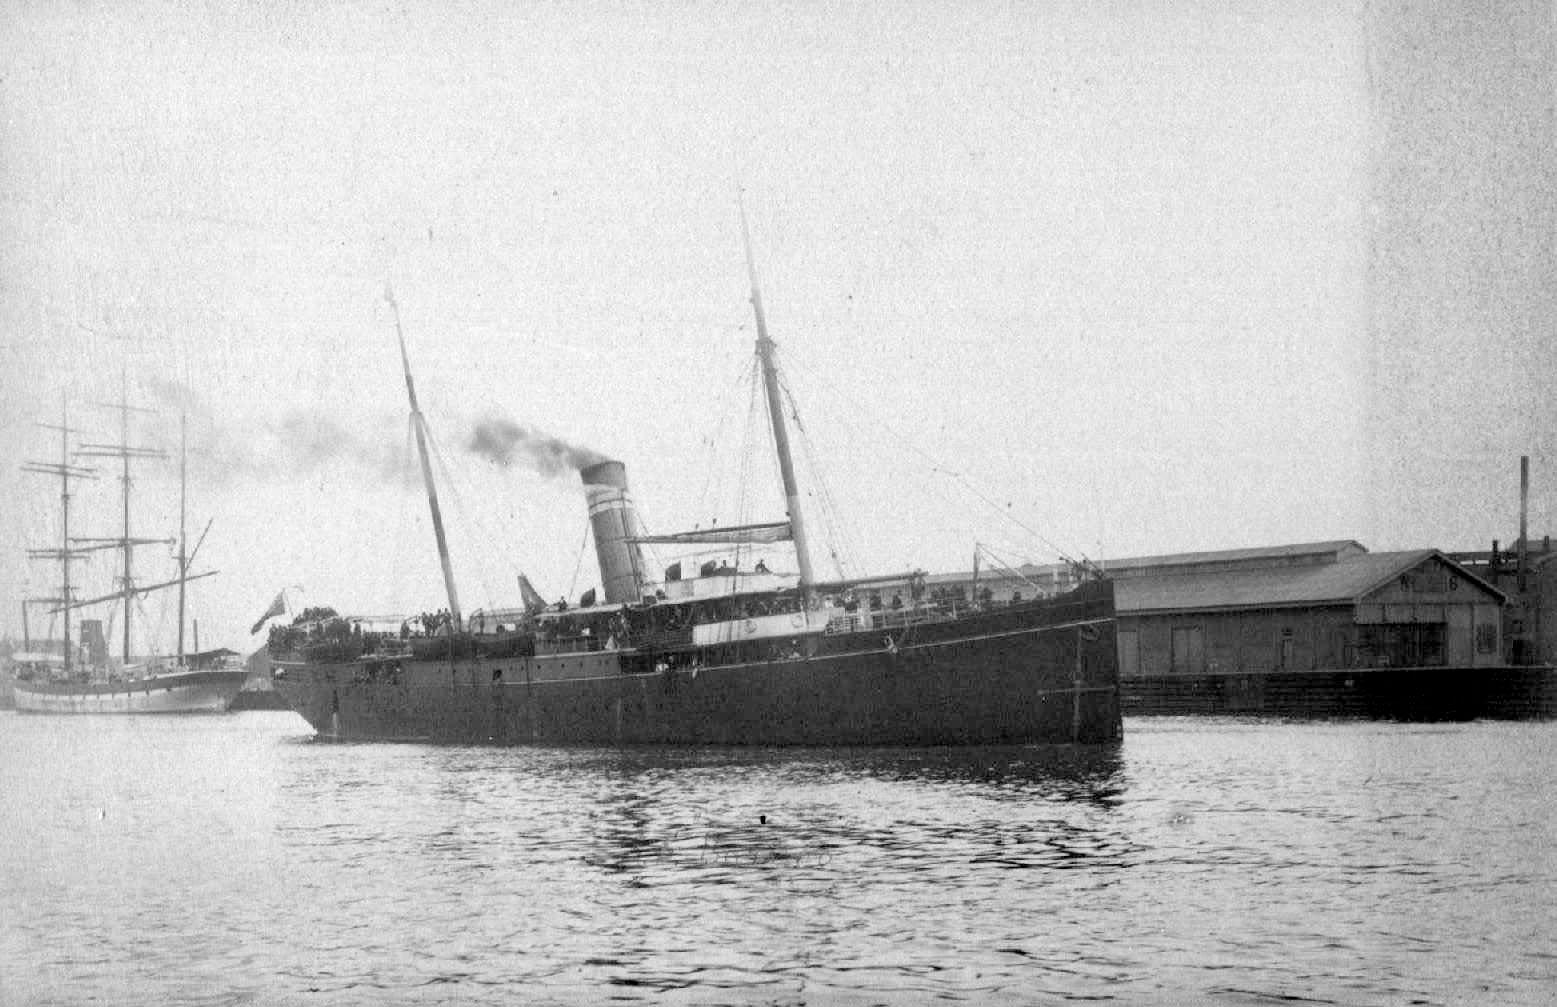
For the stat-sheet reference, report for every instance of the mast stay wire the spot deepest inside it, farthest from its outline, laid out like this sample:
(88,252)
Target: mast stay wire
(755,415)
(957,477)
(153,634)
(578,564)
(832,516)
(711,469)
(471,520)
(932,488)
(1000,561)
(404,513)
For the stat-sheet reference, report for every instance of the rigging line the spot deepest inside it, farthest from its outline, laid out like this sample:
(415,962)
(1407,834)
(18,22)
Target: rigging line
(579,563)
(818,479)
(404,513)
(475,521)
(956,476)
(748,455)
(933,488)
(739,466)
(113,613)
(832,516)
(1004,565)
(146,629)
(654,560)
(831,513)
(711,466)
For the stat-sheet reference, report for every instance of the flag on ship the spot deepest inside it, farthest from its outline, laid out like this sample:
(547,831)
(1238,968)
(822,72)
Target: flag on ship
(277,607)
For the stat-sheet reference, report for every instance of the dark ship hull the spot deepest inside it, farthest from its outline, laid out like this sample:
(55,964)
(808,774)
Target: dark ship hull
(728,657)
(1041,672)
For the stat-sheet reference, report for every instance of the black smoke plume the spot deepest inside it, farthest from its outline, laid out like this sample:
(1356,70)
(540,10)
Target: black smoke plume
(296,442)
(506,443)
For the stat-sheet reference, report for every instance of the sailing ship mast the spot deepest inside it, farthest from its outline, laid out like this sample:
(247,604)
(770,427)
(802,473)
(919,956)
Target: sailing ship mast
(186,556)
(420,425)
(128,589)
(776,416)
(183,497)
(65,554)
(124,451)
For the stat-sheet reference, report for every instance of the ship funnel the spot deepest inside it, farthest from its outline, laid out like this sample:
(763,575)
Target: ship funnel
(614,521)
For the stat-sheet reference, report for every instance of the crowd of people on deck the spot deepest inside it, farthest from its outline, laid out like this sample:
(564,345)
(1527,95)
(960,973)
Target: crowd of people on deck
(426,624)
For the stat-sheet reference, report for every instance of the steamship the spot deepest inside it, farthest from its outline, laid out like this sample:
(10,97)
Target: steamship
(726,656)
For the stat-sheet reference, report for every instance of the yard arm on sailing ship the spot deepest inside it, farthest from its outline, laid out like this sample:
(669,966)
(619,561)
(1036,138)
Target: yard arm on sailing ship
(64,555)
(128,591)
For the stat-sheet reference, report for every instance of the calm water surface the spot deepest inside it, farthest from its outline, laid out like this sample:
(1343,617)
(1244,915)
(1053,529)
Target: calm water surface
(234,860)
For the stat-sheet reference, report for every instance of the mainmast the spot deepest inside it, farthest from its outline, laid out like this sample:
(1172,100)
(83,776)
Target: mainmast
(65,554)
(420,426)
(183,540)
(776,415)
(124,451)
(186,556)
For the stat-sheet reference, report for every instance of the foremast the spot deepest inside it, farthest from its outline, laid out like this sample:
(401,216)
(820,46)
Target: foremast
(420,426)
(770,386)
(64,554)
(183,515)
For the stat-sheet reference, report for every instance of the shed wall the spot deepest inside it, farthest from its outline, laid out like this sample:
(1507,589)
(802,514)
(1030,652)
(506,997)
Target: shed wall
(1247,641)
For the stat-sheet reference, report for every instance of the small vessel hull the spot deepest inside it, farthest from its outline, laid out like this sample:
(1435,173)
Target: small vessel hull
(178,692)
(1023,675)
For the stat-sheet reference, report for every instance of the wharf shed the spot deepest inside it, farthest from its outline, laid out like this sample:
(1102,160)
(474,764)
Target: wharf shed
(1350,610)
(1323,629)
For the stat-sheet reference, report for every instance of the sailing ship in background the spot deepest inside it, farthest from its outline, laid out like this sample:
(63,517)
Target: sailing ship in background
(727,657)
(81,677)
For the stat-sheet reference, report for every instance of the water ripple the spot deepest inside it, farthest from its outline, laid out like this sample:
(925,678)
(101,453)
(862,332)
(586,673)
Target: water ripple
(231,861)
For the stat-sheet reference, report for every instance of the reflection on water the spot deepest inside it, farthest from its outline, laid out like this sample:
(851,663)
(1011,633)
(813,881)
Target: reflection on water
(827,812)
(234,860)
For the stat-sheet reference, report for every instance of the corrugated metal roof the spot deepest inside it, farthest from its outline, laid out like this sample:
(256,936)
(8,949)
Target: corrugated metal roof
(1341,582)
(1332,548)
(1317,550)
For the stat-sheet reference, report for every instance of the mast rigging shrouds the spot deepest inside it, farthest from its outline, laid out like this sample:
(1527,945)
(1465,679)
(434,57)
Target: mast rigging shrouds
(125,452)
(420,426)
(65,554)
(776,415)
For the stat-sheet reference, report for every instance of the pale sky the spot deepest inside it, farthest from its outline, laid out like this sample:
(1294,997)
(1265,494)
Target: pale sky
(1094,277)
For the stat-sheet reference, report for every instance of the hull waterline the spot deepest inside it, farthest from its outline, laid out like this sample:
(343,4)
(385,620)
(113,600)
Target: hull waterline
(179,692)
(1009,677)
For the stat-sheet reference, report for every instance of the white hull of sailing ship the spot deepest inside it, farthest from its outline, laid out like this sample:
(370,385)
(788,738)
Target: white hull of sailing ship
(172,692)
(54,683)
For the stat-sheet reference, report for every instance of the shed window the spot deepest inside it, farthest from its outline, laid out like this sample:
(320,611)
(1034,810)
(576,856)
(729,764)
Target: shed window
(1486,638)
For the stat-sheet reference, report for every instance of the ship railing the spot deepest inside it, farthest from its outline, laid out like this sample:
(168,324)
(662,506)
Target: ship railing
(582,643)
(885,618)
